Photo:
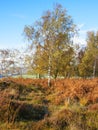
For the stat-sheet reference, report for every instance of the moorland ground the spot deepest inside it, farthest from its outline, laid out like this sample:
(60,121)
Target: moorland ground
(29,104)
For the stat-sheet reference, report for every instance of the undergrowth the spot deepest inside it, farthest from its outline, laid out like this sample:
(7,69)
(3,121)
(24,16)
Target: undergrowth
(69,104)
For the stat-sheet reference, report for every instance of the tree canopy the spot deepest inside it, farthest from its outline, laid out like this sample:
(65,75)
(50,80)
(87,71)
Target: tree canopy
(54,53)
(88,66)
(51,38)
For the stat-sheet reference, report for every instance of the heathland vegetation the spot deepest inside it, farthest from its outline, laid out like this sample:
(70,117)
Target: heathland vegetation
(64,96)
(29,104)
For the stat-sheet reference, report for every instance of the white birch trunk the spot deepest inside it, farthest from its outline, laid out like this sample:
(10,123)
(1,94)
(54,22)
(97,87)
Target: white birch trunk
(49,73)
(94,69)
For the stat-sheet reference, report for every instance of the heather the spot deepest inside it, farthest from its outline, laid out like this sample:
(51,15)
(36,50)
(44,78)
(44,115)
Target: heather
(29,104)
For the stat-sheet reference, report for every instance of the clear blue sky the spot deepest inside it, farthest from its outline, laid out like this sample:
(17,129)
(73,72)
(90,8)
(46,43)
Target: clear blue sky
(15,14)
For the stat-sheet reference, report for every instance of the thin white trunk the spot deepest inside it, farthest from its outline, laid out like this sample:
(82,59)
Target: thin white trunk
(94,68)
(49,72)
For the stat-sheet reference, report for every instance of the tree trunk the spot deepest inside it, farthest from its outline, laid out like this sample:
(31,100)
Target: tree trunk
(94,68)
(49,74)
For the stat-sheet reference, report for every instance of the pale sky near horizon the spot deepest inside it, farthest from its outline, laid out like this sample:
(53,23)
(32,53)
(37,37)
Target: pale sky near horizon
(15,14)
